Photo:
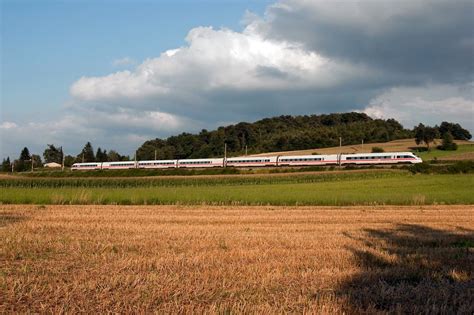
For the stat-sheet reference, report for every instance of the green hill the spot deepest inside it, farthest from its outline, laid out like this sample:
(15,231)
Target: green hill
(283,133)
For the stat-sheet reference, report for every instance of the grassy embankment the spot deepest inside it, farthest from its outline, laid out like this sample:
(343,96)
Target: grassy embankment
(359,188)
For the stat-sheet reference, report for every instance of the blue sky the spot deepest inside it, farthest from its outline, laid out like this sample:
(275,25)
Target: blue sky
(47,45)
(117,73)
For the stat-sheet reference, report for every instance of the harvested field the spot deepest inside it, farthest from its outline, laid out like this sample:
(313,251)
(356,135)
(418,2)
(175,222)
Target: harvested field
(390,146)
(172,259)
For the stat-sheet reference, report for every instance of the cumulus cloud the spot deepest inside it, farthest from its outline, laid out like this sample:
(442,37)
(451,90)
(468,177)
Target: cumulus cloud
(300,57)
(7,125)
(220,59)
(125,61)
(412,40)
(429,104)
(121,130)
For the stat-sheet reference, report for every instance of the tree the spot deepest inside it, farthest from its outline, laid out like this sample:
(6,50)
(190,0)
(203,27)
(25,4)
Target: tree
(448,143)
(87,154)
(68,160)
(458,132)
(101,156)
(53,154)
(425,134)
(6,165)
(113,156)
(24,161)
(25,154)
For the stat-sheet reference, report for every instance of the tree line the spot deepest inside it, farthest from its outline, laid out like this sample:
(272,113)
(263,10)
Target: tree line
(283,133)
(55,154)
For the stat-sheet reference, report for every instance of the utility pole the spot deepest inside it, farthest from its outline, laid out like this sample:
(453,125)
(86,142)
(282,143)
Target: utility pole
(62,159)
(362,144)
(340,151)
(82,157)
(245,150)
(13,165)
(155,155)
(225,154)
(32,162)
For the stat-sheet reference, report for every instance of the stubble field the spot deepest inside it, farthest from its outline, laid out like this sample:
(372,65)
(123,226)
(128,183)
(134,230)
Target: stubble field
(266,259)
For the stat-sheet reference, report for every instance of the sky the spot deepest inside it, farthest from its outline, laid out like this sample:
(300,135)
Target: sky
(118,73)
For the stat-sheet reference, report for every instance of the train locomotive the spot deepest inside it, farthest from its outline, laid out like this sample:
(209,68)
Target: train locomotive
(261,161)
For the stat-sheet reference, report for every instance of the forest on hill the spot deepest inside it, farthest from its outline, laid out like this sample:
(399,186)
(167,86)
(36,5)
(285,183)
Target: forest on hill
(281,133)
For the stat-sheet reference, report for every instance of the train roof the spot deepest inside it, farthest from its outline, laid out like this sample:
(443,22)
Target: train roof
(151,161)
(377,154)
(198,160)
(304,156)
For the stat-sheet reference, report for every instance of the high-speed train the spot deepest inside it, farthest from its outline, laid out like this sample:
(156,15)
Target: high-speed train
(261,161)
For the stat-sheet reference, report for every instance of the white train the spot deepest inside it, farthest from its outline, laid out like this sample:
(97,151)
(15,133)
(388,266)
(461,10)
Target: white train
(260,161)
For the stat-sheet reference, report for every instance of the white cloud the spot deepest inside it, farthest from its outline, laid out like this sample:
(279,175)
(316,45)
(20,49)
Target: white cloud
(216,60)
(8,125)
(429,104)
(125,61)
(122,130)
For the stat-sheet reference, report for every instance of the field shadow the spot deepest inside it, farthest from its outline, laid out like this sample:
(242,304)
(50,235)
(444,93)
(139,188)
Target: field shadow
(412,269)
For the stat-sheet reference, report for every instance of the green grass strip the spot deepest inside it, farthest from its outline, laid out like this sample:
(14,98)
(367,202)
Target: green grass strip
(399,189)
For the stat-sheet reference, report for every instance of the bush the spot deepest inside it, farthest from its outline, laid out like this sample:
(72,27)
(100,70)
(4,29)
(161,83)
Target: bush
(423,168)
(461,167)
(377,150)
(448,143)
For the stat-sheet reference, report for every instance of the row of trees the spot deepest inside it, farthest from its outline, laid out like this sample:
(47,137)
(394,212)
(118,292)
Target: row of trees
(87,155)
(55,154)
(447,131)
(25,162)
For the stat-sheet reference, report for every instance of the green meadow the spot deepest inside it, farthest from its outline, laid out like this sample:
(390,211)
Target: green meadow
(360,188)
(438,154)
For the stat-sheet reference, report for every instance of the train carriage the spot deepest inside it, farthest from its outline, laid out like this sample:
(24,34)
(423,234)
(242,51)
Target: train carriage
(255,161)
(158,164)
(200,163)
(86,166)
(119,165)
(306,160)
(380,158)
